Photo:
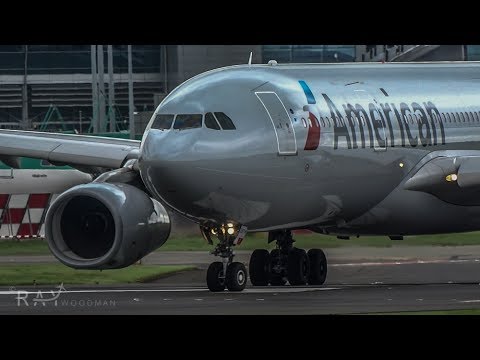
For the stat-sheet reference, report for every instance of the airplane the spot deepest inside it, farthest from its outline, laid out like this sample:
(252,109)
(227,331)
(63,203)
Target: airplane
(388,149)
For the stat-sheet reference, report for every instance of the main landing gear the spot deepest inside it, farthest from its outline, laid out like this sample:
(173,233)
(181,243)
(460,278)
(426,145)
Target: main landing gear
(287,263)
(226,273)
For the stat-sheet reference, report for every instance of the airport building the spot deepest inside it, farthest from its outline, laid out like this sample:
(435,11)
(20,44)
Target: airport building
(49,87)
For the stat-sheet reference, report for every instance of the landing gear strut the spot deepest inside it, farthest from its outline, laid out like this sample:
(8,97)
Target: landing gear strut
(227,273)
(287,263)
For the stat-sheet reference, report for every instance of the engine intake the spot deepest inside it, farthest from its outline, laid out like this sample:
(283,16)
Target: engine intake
(105,226)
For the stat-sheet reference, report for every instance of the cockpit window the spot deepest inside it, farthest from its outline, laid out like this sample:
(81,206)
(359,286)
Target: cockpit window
(225,121)
(210,122)
(163,122)
(188,121)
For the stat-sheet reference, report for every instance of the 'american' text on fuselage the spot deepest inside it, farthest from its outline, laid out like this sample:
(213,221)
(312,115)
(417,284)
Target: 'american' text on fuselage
(379,123)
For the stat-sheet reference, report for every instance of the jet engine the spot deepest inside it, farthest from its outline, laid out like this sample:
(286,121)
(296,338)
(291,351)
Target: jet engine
(105,226)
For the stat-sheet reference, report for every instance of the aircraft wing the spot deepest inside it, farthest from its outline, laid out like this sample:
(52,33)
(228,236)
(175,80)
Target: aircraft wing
(81,150)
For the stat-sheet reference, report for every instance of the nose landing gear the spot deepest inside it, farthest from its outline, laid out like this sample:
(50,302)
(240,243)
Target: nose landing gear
(229,274)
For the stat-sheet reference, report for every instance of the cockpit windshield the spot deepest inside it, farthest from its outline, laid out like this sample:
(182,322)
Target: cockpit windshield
(188,121)
(163,121)
(213,120)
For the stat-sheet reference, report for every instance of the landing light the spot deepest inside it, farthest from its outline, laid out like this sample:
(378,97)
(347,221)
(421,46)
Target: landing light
(214,232)
(230,231)
(452,177)
(401,165)
(230,225)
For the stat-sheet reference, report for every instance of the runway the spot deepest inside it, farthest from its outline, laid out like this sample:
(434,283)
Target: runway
(351,288)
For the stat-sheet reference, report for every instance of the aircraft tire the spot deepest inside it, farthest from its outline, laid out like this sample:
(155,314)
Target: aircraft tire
(298,267)
(214,281)
(236,278)
(259,267)
(276,279)
(318,267)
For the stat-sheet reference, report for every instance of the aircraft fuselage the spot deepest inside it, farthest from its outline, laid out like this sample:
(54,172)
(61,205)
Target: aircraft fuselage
(325,147)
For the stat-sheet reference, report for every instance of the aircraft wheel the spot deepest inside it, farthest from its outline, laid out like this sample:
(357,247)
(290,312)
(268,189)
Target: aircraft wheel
(318,267)
(236,278)
(259,268)
(275,278)
(215,277)
(298,267)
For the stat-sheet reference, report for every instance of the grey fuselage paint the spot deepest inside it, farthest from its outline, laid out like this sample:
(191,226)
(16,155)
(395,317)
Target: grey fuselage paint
(352,183)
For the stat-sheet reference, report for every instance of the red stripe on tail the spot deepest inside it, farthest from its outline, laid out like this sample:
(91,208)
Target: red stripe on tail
(313,137)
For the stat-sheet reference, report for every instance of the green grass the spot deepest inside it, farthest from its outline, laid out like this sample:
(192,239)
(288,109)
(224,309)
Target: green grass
(40,274)
(27,247)
(255,241)
(437,312)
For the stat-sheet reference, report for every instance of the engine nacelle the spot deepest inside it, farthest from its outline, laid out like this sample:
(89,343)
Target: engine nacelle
(105,226)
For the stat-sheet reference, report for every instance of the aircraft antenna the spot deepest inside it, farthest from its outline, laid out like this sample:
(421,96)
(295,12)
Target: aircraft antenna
(250,59)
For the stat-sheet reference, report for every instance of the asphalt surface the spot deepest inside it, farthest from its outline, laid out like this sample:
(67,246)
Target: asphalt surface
(369,280)
(334,255)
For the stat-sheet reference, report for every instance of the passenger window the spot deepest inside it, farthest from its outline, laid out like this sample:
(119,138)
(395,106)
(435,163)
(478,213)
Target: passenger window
(461,117)
(188,121)
(163,121)
(322,121)
(475,115)
(225,122)
(210,122)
